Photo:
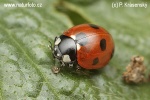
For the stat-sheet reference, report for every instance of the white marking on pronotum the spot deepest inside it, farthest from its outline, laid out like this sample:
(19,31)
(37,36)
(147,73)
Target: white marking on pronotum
(57,41)
(78,46)
(66,58)
(73,36)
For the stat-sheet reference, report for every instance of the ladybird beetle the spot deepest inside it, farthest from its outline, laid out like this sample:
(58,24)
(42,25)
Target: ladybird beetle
(87,45)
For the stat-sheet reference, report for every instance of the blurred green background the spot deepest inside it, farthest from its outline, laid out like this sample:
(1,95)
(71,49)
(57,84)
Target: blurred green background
(26,61)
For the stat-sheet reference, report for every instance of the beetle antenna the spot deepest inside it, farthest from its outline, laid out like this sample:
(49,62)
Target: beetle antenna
(50,45)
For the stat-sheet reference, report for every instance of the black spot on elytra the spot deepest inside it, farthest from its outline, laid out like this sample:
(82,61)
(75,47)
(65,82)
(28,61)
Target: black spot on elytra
(95,61)
(81,39)
(94,26)
(112,54)
(103,44)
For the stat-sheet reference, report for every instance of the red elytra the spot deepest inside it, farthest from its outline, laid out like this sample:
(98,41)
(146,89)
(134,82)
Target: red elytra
(96,46)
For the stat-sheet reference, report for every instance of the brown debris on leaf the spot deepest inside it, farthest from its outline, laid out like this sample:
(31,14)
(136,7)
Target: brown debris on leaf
(55,70)
(135,71)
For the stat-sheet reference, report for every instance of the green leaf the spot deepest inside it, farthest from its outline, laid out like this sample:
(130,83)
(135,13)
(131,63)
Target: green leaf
(26,61)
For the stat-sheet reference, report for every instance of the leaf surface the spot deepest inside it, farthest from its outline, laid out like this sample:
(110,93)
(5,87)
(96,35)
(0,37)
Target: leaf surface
(26,61)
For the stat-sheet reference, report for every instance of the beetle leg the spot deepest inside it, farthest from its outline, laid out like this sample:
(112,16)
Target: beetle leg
(82,71)
(62,63)
(70,65)
(78,68)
